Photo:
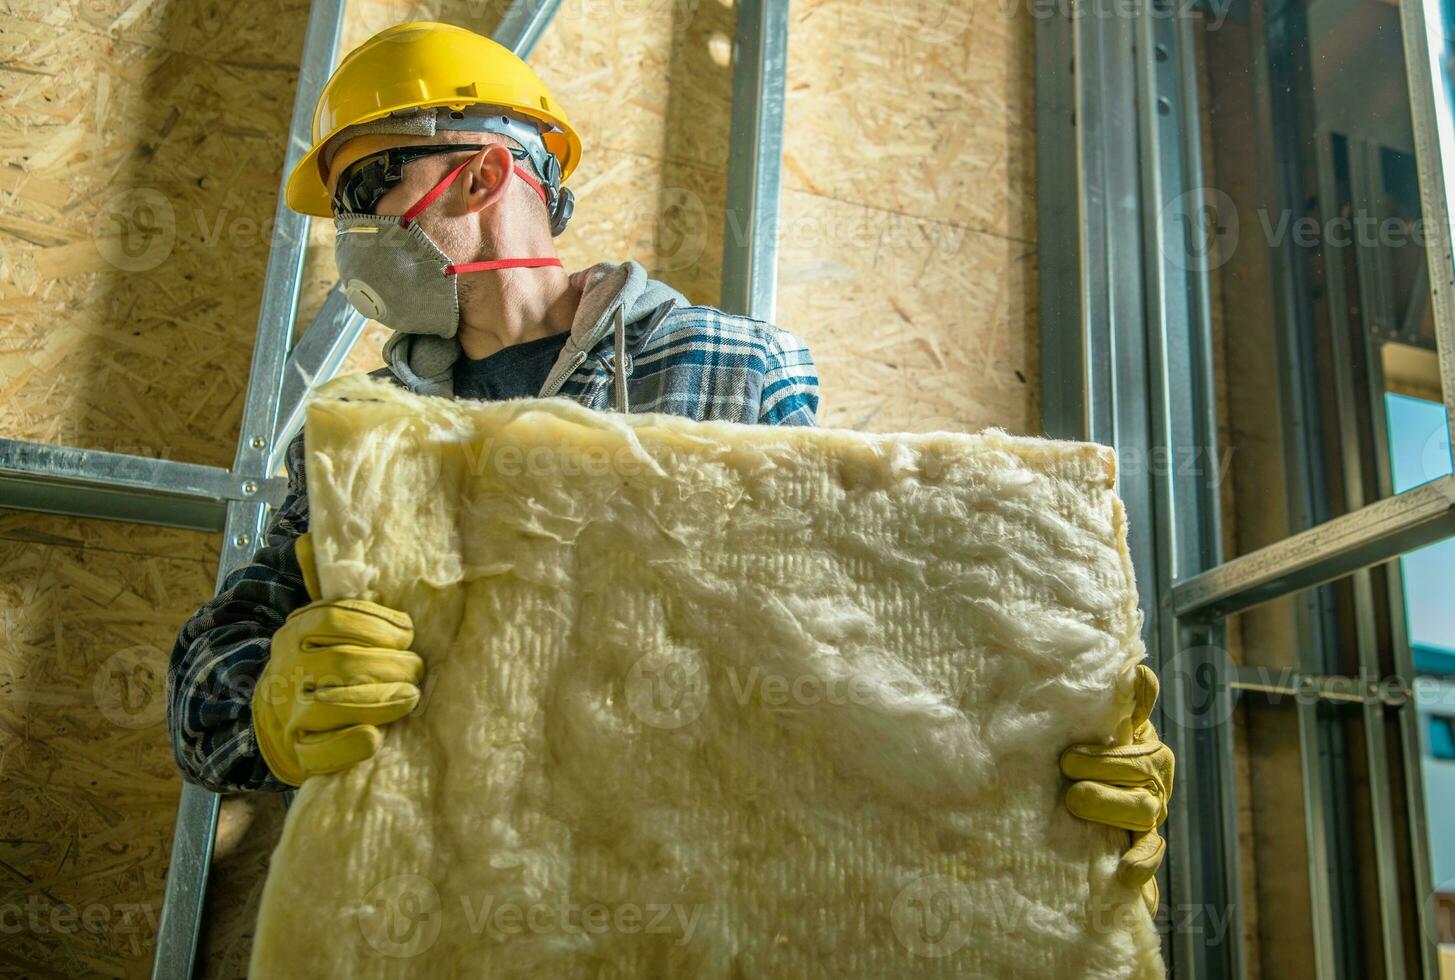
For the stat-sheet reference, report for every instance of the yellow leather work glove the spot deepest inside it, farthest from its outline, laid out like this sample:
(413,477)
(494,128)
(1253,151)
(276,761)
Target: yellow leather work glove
(1127,785)
(337,671)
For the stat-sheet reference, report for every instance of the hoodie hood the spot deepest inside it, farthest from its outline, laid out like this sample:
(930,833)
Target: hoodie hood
(426,363)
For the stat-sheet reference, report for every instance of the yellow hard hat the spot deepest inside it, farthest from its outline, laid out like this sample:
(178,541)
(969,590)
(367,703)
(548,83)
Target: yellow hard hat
(422,65)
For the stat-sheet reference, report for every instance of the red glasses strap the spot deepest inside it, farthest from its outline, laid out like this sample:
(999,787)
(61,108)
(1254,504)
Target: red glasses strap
(438,189)
(433,195)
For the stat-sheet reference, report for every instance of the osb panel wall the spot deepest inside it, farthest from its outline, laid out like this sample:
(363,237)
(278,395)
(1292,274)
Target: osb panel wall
(88,610)
(141,145)
(907,262)
(909,238)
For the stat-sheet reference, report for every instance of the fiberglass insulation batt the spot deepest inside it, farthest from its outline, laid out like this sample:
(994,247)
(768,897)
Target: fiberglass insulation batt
(714,700)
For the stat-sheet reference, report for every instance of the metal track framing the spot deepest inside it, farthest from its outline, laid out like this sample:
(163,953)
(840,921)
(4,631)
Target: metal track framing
(1127,361)
(180,927)
(319,354)
(755,159)
(121,487)
(1359,455)
(1333,549)
(1429,54)
(1124,319)
(1187,528)
(524,24)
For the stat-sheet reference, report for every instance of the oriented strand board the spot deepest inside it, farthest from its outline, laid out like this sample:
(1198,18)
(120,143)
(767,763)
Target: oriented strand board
(921,107)
(89,612)
(914,325)
(730,701)
(254,33)
(89,785)
(139,186)
(29,527)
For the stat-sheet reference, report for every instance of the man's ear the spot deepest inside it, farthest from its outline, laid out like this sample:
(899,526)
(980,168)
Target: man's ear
(487,177)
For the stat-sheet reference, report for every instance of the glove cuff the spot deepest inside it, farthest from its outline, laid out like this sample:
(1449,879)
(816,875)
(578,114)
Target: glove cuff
(276,757)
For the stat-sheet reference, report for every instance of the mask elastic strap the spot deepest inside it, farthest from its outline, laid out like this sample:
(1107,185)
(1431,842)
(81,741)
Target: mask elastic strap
(434,192)
(455,270)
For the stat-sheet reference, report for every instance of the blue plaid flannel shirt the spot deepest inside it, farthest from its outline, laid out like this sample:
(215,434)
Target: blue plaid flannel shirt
(693,361)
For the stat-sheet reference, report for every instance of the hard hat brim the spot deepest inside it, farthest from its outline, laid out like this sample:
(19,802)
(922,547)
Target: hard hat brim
(307,192)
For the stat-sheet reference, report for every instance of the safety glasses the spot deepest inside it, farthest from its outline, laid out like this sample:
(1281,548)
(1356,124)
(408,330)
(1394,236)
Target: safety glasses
(369,178)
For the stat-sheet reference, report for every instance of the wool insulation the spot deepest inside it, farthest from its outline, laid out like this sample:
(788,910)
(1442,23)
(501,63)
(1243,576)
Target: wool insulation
(714,700)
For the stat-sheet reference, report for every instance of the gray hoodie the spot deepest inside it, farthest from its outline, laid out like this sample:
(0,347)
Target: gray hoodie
(425,364)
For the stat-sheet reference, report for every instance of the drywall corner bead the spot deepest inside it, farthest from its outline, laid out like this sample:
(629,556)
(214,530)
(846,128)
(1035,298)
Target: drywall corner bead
(712,700)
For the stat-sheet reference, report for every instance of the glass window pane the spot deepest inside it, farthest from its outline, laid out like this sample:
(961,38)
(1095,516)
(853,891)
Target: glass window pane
(1418,439)
(1418,452)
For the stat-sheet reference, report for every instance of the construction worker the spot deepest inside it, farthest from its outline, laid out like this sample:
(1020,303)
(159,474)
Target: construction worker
(442,159)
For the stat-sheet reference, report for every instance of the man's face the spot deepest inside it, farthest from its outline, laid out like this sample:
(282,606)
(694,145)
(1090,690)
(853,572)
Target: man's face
(460,240)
